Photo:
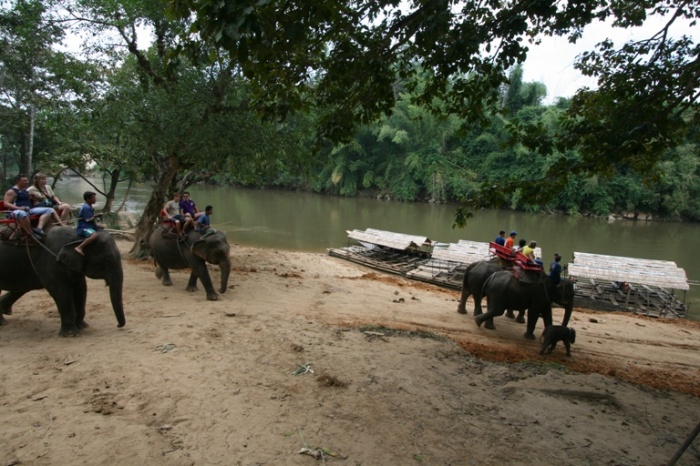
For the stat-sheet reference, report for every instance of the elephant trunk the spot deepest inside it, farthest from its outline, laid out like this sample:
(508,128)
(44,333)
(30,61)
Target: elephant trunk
(225,265)
(568,295)
(567,313)
(115,283)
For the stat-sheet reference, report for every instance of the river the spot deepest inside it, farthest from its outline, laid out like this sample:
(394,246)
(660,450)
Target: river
(311,222)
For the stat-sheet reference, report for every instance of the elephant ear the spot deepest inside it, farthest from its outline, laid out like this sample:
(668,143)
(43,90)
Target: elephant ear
(199,249)
(71,259)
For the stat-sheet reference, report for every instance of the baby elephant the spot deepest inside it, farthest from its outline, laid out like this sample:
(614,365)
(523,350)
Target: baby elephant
(555,333)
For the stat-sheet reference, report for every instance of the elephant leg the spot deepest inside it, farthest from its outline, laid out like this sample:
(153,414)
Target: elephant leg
(477,305)
(521,316)
(532,316)
(462,306)
(7,299)
(80,299)
(199,271)
(487,318)
(164,274)
(510,314)
(192,283)
(66,308)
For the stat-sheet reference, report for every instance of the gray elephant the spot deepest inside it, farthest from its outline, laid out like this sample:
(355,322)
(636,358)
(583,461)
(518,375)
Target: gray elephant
(478,272)
(193,253)
(56,266)
(534,292)
(473,283)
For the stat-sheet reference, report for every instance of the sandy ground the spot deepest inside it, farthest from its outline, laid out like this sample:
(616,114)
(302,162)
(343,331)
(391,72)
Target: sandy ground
(397,377)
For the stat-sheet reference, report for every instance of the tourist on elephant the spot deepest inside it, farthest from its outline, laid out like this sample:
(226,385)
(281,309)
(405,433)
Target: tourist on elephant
(501,238)
(188,208)
(555,270)
(203,221)
(18,201)
(172,213)
(521,244)
(510,242)
(87,222)
(43,196)
(529,251)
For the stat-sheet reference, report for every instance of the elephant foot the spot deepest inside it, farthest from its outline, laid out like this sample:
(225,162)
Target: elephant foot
(520,319)
(489,325)
(82,325)
(461,310)
(212,297)
(72,332)
(479,319)
(192,289)
(222,290)
(2,320)
(509,314)
(167,283)
(529,336)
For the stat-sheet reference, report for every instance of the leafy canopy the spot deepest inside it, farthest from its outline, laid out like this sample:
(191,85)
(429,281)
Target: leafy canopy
(347,55)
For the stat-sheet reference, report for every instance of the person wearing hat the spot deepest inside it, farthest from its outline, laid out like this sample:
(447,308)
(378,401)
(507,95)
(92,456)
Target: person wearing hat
(510,242)
(555,270)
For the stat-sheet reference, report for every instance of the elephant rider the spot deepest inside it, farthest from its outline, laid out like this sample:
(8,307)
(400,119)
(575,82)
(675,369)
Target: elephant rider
(501,238)
(555,270)
(87,222)
(42,195)
(172,213)
(188,208)
(510,241)
(529,251)
(203,221)
(18,201)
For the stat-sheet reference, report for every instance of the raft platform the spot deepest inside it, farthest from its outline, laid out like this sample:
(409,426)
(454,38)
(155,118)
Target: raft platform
(603,283)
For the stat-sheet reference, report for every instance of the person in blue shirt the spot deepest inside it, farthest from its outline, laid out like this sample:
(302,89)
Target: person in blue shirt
(18,201)
(203,221)
(501,238)
(87,222)
(555,270)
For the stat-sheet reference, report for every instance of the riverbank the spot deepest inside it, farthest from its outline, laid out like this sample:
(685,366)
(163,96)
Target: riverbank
(188,381)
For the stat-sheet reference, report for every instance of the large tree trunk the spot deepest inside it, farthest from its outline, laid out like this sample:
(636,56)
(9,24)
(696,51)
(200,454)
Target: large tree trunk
(113,182)
(167,169)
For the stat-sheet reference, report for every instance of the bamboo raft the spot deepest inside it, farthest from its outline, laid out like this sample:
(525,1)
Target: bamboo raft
(600,279)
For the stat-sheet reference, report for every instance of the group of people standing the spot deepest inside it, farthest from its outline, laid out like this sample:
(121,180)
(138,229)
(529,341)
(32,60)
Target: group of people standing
(184,214)
(528,250)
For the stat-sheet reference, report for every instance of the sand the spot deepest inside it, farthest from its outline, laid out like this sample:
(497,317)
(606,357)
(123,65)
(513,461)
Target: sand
(387,373)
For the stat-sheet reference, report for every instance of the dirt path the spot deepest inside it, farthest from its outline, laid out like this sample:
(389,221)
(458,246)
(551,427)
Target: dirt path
(194,382)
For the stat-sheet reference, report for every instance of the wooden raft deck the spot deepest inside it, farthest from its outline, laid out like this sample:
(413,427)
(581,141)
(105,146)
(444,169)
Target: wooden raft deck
(443,264)
(649,281)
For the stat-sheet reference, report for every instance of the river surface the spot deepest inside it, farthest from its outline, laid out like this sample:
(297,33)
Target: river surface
(312,222)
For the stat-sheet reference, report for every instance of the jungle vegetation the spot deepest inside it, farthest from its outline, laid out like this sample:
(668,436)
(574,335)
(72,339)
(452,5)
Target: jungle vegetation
(420,101)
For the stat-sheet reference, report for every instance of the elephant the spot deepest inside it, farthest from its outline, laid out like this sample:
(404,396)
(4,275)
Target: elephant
(478,272)
(194,253)
(473,283)
(534,292)
(53,264)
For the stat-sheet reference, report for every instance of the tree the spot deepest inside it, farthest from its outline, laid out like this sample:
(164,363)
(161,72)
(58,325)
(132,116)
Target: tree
(359,47)
(28,78)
